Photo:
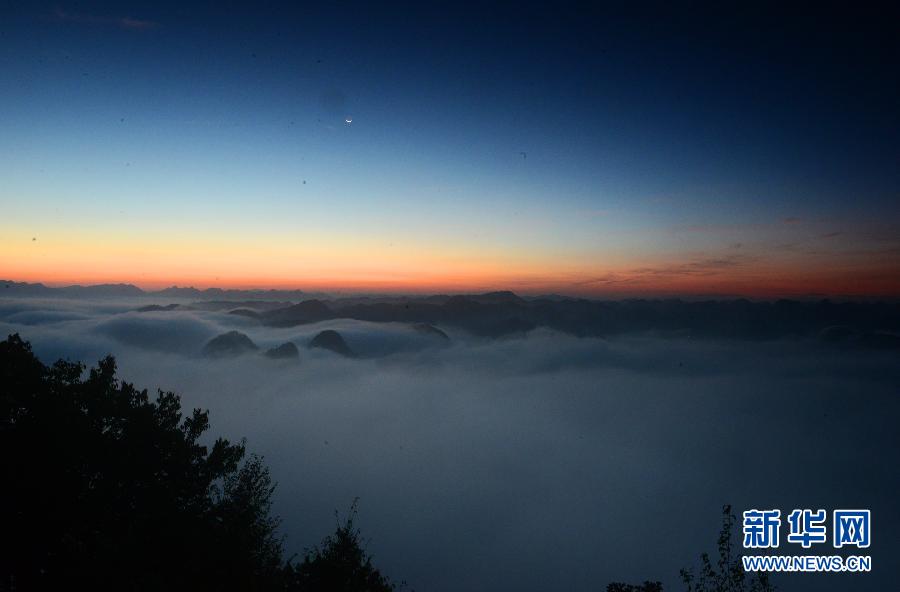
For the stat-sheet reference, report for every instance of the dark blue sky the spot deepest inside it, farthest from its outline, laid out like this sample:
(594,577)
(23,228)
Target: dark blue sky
(522,135)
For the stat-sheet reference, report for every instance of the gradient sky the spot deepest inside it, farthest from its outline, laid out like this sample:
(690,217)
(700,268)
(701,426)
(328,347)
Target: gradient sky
(602,151)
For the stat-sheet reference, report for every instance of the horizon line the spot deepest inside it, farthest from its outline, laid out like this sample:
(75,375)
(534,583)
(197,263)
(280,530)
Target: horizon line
(153,289)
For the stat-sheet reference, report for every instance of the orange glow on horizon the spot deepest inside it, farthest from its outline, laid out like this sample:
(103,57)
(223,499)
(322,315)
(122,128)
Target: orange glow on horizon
(757,285)
(355,265)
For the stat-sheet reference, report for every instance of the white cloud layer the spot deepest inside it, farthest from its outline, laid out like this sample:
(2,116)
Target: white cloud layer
(546,462)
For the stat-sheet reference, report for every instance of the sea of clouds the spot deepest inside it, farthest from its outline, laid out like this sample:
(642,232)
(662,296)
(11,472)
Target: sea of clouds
(543,462)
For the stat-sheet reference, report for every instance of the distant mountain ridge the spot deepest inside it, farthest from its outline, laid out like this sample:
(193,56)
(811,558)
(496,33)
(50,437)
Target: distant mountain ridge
(11,288)
(500,314)
(504,315)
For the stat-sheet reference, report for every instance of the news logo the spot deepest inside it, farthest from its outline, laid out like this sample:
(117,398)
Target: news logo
(806,528)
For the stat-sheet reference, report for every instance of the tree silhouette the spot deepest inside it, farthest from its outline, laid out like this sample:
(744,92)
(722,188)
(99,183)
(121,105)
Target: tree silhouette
(340,564)
(728,574)
(253,551)
(105,488)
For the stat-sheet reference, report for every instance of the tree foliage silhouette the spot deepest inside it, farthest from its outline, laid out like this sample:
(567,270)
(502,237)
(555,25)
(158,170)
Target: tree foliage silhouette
(105,488)
(728,574)
(340,564)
